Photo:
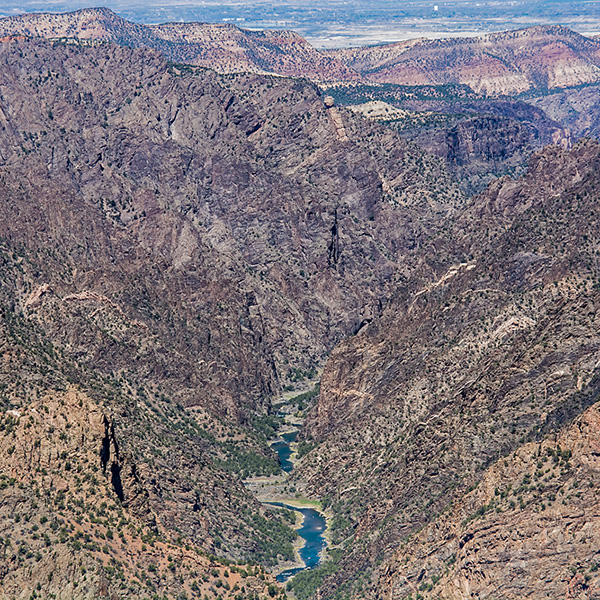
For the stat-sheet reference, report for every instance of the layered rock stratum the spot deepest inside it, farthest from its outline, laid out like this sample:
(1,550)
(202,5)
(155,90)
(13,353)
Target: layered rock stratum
(222,47)
(497,64)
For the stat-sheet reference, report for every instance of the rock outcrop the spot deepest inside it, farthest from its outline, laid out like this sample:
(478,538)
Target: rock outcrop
(489,140)
(72,523)
(529,530)
(478,138)
(578,110)
(218,196)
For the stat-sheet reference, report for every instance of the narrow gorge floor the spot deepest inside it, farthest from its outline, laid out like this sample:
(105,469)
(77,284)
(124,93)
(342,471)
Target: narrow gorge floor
(279,491)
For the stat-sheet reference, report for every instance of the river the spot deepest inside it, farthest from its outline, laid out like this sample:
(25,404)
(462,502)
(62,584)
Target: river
(284,452)
(313,523)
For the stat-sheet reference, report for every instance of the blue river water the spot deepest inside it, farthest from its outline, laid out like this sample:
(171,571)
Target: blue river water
(312,530)
(284,451)
(313,524)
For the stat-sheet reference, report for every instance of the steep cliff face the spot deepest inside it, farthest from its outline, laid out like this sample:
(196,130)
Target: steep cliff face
(478,138)
(493,343)
(577,110)
(481,141)
(204,212)
(529,530)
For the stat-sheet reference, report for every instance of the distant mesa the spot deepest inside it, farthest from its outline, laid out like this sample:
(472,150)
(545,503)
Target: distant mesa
(222,47)
(537,58)
(514,62)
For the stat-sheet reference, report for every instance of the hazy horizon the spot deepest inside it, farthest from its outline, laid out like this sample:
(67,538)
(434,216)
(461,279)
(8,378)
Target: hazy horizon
(337,23)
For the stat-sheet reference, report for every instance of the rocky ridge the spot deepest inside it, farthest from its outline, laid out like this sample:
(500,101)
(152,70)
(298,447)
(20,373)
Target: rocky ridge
(479,136)
(222,47)
(480,143)
(535,59)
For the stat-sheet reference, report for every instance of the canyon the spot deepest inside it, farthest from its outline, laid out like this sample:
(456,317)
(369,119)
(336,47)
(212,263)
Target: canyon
(164,228)
(198,255)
